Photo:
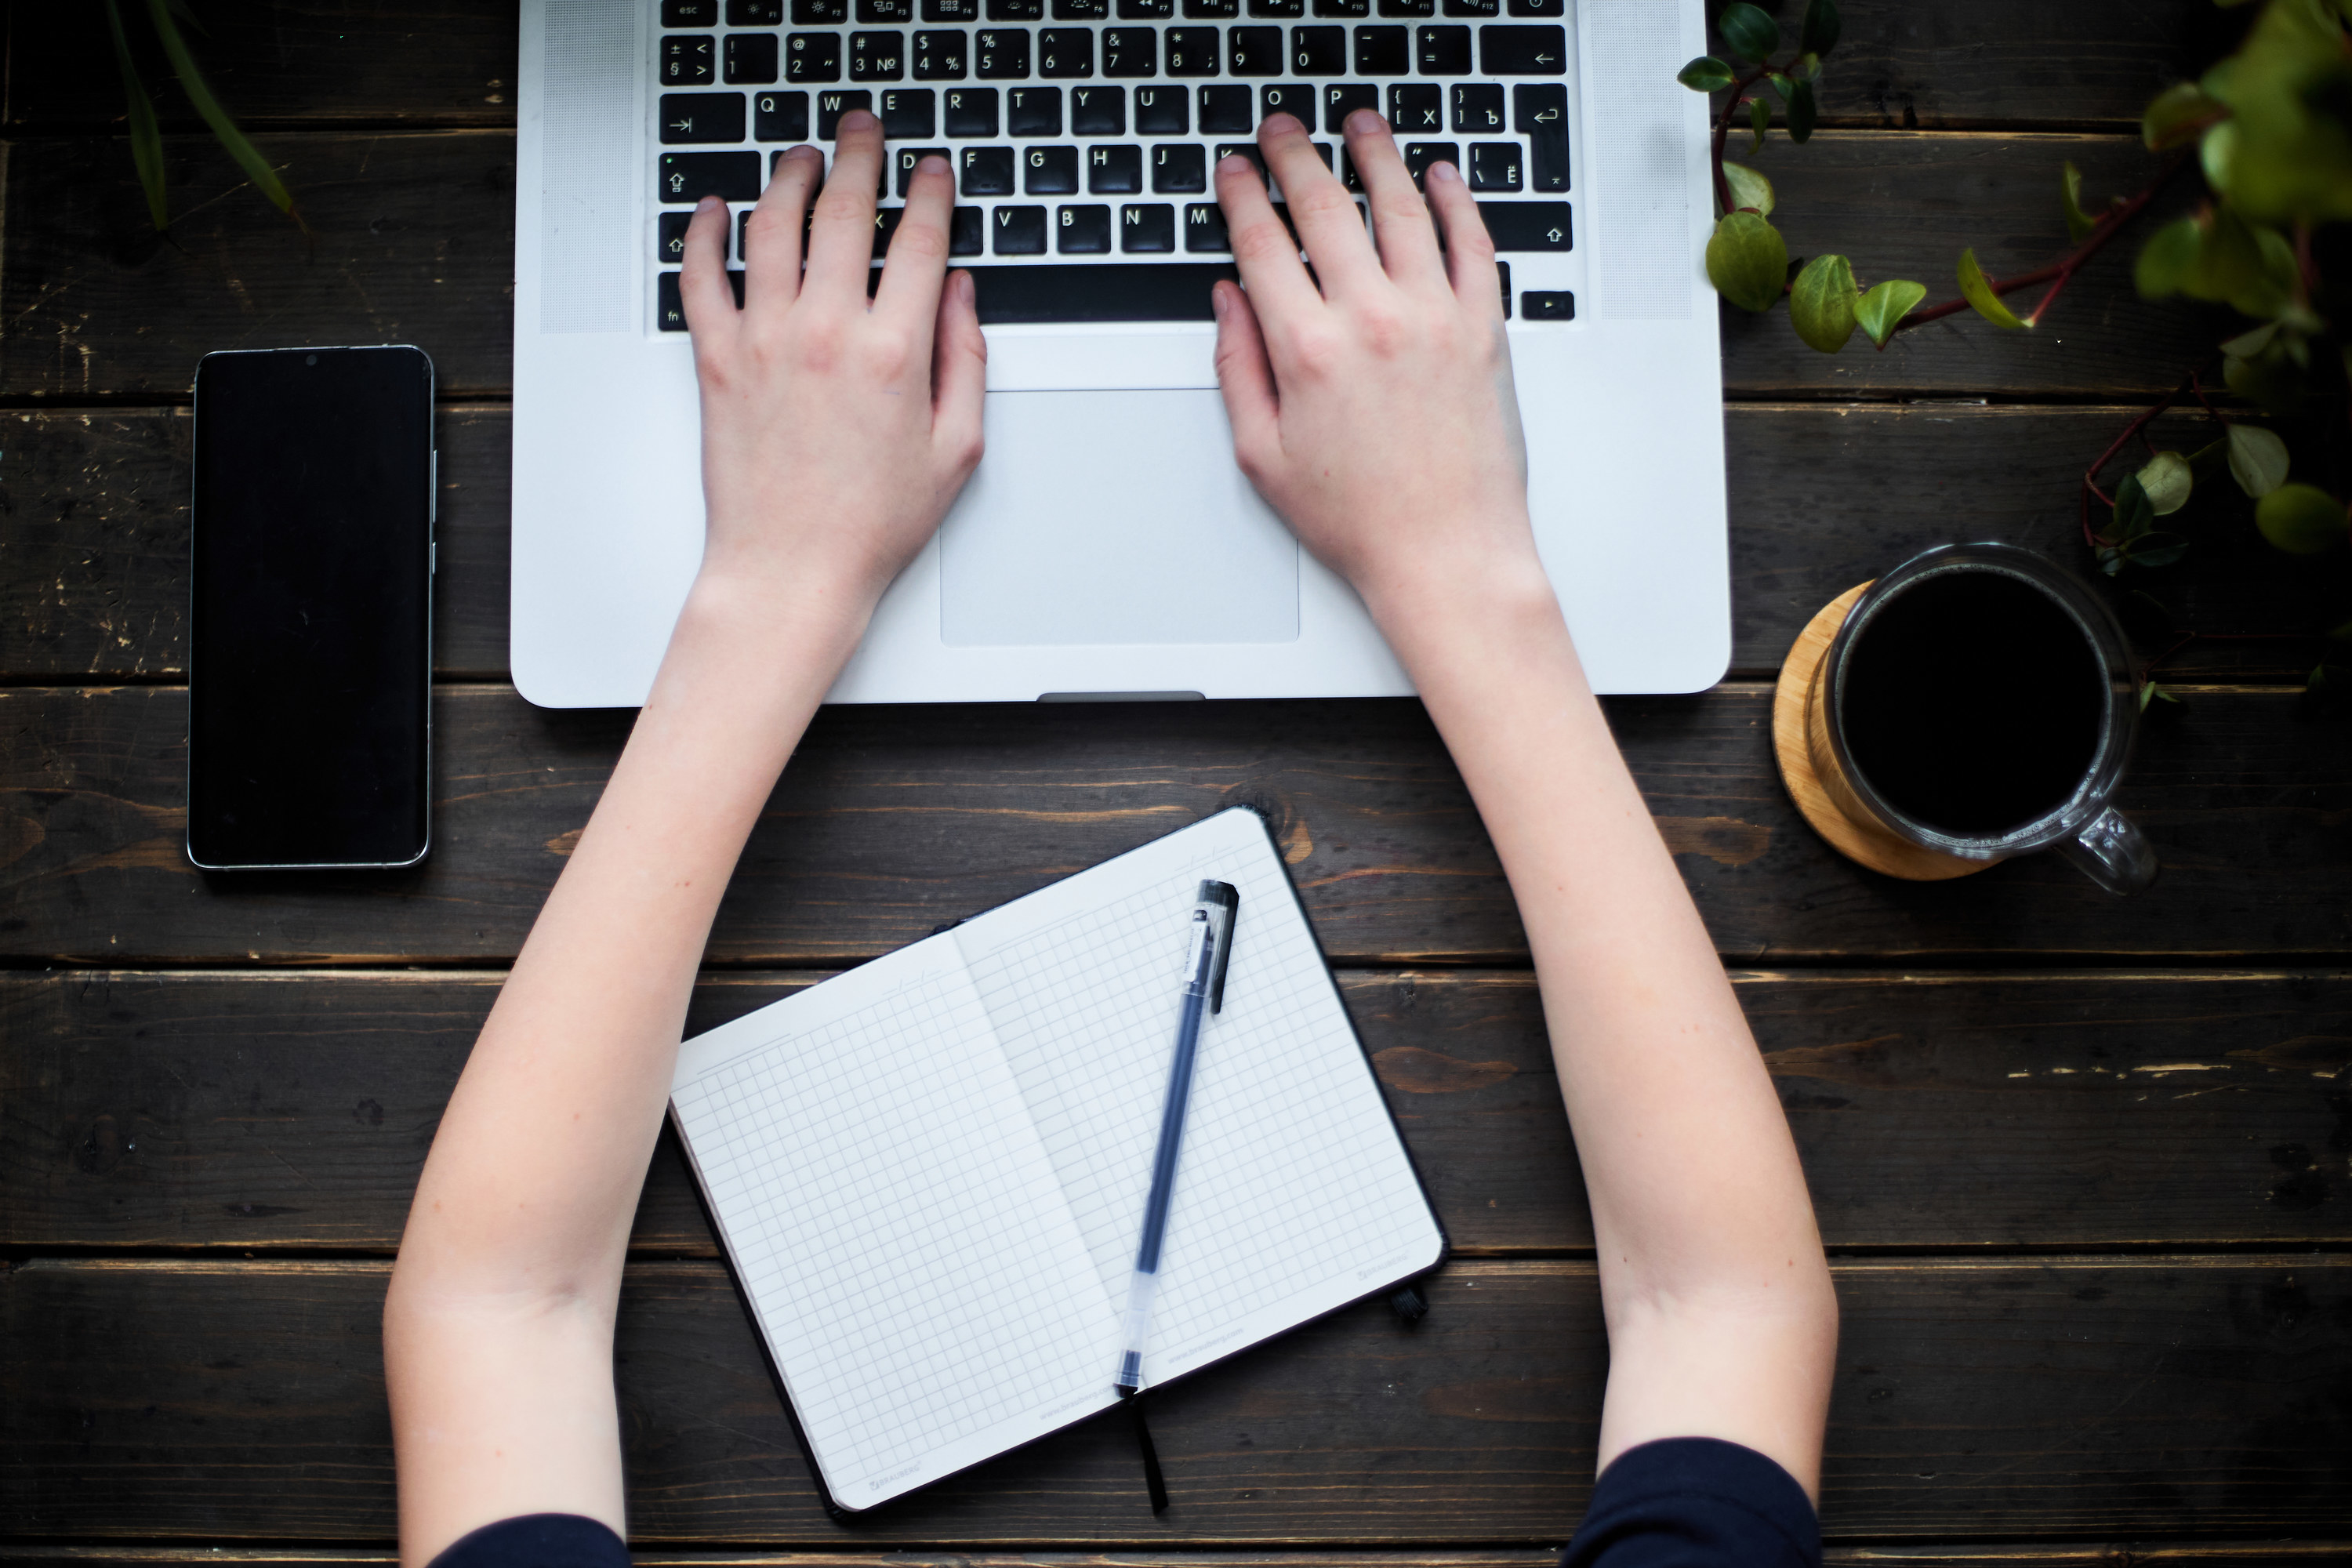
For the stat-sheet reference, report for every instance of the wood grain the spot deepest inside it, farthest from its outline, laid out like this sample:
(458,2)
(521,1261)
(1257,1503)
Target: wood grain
(893,820)
(2086,62)
(414,242)
(2047,1111)
(1822,497)
(154,1398)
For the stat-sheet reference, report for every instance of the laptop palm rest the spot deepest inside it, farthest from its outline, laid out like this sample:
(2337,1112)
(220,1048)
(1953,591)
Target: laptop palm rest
(1113,519)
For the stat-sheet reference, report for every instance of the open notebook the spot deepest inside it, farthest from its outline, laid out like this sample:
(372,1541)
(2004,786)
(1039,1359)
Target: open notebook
(929,1173)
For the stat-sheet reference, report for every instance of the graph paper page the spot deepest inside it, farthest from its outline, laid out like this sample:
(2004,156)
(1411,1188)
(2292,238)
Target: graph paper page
(1294,1194)
(896,1223)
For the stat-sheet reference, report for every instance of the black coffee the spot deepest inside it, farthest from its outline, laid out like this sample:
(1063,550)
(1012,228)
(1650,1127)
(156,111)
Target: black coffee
(1972,703)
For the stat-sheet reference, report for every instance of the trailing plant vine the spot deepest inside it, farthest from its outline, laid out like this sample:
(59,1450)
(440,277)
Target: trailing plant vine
(146,136)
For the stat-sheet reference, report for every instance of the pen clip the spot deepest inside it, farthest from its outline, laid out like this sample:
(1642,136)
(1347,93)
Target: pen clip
(1226,900)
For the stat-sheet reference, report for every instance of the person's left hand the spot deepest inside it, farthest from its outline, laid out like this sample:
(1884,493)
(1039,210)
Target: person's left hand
(835,434)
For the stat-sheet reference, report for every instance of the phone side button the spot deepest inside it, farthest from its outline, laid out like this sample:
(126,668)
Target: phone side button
(433,558)
(434,515)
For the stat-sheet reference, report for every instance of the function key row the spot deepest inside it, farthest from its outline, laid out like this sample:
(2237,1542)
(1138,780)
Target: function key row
(836,13)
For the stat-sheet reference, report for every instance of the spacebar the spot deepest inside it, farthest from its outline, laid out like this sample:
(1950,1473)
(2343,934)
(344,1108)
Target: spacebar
(1109,292)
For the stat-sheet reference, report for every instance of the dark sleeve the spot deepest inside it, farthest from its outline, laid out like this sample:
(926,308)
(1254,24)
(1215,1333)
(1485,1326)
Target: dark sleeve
(538,1540)
(1696,1503)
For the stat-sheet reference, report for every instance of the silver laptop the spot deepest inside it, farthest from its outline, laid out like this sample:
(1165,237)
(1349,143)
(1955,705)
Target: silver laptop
(1107,544)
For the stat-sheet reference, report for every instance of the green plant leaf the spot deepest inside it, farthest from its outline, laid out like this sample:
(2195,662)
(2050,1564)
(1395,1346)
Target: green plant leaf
(1707,74)
(2302,519)
(2133,514)
(2167,479)
(146,141)
(1749,30)
(2165,260)
(1749,188)
(2156,550)
(1760,121)
(2079,224)
(1802,111)
(2258,459)
(1747,262)
(1819,34)
(2246,345)
(1978,291)
(200,94)
(1880,310)
(1822,302)
(2179,115)
(1806,68)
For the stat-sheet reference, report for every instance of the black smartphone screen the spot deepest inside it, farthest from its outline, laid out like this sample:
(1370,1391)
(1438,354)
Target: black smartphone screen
(311,612)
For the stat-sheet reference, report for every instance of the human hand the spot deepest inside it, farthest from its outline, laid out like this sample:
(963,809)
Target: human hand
(834,435)
(1375,413)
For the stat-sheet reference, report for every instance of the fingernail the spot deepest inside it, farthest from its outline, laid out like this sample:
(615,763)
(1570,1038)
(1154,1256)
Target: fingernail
(858,119)
(1443,171)
(1279,116)
(1217,303)
(707,203)
(1232,164)
(1364,123)
(802,151)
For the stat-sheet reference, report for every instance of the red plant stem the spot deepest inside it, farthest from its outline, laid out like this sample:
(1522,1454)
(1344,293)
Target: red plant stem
(2091,475)
(1723,134)
(2196,383)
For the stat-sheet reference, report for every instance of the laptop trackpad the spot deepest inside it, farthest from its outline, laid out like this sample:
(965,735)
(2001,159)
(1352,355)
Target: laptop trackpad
(1113,517)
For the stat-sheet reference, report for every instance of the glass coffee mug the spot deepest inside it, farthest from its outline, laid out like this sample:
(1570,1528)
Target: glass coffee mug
(1977,703)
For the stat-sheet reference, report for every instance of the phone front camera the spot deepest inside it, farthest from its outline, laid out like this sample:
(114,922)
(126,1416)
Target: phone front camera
(309,359)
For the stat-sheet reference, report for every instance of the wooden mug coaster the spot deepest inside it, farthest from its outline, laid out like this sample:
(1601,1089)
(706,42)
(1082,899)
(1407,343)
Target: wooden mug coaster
(1861,841)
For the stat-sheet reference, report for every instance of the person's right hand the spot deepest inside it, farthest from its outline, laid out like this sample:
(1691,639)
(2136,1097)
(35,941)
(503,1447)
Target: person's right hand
(1375,413)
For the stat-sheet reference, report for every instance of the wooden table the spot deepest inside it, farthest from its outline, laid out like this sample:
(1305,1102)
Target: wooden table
(2084,1164)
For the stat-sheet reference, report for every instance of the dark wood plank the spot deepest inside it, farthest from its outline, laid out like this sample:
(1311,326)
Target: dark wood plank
(2067,1396)
(892,820)
(1822,497)
(414,243)
(163,1111)
(322,60)
(2032,1554)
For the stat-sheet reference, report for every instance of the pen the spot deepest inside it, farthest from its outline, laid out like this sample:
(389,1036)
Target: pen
(1214,909)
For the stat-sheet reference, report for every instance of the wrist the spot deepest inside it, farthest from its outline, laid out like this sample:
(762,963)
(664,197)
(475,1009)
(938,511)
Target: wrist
(1473,594)
(758,630)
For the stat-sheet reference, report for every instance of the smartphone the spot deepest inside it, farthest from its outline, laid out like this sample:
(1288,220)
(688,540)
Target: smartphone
(311,613)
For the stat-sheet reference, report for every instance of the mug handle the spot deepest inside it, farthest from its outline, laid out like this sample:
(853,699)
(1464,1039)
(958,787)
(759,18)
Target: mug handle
(2113,853)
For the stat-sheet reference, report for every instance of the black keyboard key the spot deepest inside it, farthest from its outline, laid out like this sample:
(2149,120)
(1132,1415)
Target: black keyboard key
(1474,8)
(1116,170)
(1538,8)
(743,231)
(1384,51)
(780,117)
(1547,305)
(1161,111)
(950,10)
(971,111)
(1318,51)
(1083,230)
(1179,169)
(750,59)
(1146,10)
(1204,229)
(1130,52)
(1253,51)
(689,13)
(1098,111)
(1192,51)
(1049,170)
(906,159)
(1527,226)
(1212,10)
(1082,10)
(669,312)
(1147,228)
(1277,7)
(1478,109)
(687,59)
(878,57)
(1032,111)
(940,56)
(1539,113)
(1296,98)
(819,13)
(1420,155)
(832,106)
(1016,10)
(1408,7)
(1226,110)
(1416,109)
(987,171)
(1503,272)
(885,223)
(967,231)
(1097,291)
(1444,51)
(1019,231)
(1342,98)
(681,179)
(755,13)
(1248,150)
(812,56)
(1494,165)
(1065,52)
(1523,51)
(886,13)
(910,112)
(669,237)
(1001,54)
(691,117)
(1343,7)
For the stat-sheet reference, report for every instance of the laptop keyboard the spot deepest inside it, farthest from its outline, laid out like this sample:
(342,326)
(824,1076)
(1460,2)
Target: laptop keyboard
(1082,133)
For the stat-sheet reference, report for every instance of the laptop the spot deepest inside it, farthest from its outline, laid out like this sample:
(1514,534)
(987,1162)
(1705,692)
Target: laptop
(1107,545)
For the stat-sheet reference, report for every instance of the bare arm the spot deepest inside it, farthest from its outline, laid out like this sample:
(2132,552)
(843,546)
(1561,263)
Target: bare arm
(1721,1319)
(833,439)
